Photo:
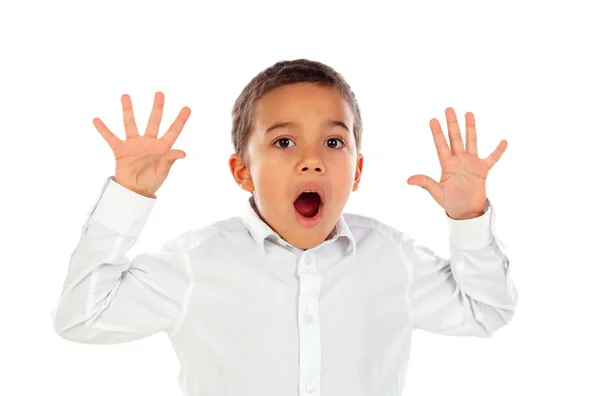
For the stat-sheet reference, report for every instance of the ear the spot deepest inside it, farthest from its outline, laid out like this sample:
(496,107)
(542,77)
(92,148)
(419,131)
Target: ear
(359,168)
(240,173)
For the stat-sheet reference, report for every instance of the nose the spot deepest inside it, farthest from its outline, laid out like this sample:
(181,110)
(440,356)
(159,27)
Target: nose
(315,168)
(311,162)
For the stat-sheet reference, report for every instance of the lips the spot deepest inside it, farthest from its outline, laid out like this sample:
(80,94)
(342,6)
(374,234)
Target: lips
(311,187)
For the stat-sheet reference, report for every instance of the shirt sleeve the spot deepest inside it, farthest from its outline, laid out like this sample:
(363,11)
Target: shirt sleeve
(108,298)
(470,294)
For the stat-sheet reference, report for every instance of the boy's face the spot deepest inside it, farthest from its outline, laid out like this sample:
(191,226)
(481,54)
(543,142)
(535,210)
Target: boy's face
(313,151)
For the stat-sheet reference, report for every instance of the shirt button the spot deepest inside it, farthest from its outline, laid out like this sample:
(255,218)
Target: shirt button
(311,387)
(308,318)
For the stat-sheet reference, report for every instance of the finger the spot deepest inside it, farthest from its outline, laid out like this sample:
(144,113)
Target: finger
(176,127)
(456,142)
(440,141)
(174,155)
(434,188)
(110,137)
(155,115)
(471,133)
(496,154)
(168,160)
(128,117)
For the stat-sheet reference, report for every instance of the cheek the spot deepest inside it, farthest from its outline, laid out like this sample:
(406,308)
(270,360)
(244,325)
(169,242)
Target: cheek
(268,178)
(342,176)
(343,165)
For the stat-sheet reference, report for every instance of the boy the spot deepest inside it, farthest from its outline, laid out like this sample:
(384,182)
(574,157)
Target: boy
(293,298)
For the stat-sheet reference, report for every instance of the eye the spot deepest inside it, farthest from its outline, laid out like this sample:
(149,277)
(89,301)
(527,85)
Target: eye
(332,143)
(284,143)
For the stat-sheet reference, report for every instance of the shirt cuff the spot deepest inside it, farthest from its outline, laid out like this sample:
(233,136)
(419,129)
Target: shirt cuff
(475,233)
(121,209)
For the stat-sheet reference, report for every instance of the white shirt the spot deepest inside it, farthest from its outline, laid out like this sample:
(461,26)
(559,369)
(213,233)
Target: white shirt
(248,314)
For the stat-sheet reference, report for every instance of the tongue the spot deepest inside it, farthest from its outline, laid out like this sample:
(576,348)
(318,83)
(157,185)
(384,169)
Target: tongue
(307,204)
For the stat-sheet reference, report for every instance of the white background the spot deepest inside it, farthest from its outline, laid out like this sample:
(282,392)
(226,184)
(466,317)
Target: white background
(528,70)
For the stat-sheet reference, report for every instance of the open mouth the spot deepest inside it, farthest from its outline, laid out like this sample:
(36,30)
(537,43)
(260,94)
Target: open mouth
(308,204)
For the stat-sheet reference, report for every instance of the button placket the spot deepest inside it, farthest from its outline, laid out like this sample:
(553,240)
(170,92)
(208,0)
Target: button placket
(309,331)
(308,318)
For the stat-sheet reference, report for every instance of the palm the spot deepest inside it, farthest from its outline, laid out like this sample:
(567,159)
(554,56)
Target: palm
(463,183)
(140,158)
(461,190)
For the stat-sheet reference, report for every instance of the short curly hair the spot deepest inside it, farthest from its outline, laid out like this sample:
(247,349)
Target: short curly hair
(283,73)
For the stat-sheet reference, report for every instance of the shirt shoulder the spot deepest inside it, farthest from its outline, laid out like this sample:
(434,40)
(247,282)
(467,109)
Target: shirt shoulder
(362,226)
(199,236)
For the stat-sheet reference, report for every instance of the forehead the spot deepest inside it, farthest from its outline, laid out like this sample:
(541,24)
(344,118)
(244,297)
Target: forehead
(301,102)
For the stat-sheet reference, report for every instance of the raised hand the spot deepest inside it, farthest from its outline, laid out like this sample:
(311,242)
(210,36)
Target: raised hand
(143,162)
(461,190)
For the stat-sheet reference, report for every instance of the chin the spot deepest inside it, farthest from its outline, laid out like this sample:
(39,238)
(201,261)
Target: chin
(315,230)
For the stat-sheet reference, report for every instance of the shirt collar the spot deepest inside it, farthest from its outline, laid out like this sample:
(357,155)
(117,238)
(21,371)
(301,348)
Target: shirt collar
(260,231)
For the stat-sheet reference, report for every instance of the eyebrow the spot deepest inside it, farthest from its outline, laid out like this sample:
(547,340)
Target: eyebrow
(330,123)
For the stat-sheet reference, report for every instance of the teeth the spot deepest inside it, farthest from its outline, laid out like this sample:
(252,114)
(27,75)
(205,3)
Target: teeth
(308,190)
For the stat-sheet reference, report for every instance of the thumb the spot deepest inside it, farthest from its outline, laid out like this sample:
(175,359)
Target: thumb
(173,156)
(434,188)
(167,161)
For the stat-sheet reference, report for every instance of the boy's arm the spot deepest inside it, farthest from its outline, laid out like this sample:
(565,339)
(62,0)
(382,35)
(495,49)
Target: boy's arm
(106,297)
(471,294)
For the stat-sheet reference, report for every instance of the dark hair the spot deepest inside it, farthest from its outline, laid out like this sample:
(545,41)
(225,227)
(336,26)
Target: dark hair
(283,73)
